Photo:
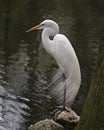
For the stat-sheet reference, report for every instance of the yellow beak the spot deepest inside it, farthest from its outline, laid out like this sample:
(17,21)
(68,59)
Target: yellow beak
(34,28)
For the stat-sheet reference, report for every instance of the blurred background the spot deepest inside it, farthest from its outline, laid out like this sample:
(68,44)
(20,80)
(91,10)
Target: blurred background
(26,69)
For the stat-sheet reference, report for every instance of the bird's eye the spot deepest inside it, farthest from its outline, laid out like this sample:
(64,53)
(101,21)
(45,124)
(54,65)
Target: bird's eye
(42,24)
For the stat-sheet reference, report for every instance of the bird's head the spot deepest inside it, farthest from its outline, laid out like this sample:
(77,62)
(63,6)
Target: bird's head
(45,24)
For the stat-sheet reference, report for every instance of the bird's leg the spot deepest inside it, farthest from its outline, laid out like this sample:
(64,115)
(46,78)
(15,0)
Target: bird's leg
(63,107)
(59,109)
(64,101)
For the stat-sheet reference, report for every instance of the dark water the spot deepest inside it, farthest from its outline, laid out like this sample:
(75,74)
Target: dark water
(26,69)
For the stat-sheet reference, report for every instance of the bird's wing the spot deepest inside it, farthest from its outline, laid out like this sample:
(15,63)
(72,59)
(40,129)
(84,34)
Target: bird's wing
(64,53)
(68,63)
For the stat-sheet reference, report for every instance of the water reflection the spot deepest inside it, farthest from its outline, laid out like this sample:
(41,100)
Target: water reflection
(17,76)
(12,111)
(26,69)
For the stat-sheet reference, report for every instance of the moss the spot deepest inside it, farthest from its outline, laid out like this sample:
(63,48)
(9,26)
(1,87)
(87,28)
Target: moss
(93,113)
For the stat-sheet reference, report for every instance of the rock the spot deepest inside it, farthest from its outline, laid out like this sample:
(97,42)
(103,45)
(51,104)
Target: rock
(46,124)
(62,119)
(68,118)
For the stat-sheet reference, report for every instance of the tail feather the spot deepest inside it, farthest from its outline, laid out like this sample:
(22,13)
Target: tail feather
(57,89)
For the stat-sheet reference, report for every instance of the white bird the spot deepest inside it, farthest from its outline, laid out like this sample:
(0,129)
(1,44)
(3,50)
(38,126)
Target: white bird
(61,49)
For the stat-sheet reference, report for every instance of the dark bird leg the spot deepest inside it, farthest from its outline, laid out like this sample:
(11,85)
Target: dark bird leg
(64,101)
(63,107)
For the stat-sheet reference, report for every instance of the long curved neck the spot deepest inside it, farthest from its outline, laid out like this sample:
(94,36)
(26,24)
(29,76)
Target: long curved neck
(47,43)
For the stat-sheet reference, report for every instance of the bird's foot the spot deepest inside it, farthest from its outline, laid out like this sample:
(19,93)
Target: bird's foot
(59,109)
(65,114)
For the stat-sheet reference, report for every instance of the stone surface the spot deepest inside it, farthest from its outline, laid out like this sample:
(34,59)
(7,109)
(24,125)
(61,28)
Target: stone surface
(46,124)
(68,118)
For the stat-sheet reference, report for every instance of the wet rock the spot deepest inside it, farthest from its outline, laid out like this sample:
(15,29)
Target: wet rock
(68,118)
(46,124)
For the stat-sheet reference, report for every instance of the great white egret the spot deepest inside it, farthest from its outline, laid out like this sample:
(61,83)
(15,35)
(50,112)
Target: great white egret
(61,49)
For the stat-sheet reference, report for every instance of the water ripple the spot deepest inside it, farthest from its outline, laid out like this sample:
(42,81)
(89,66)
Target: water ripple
(12,111)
